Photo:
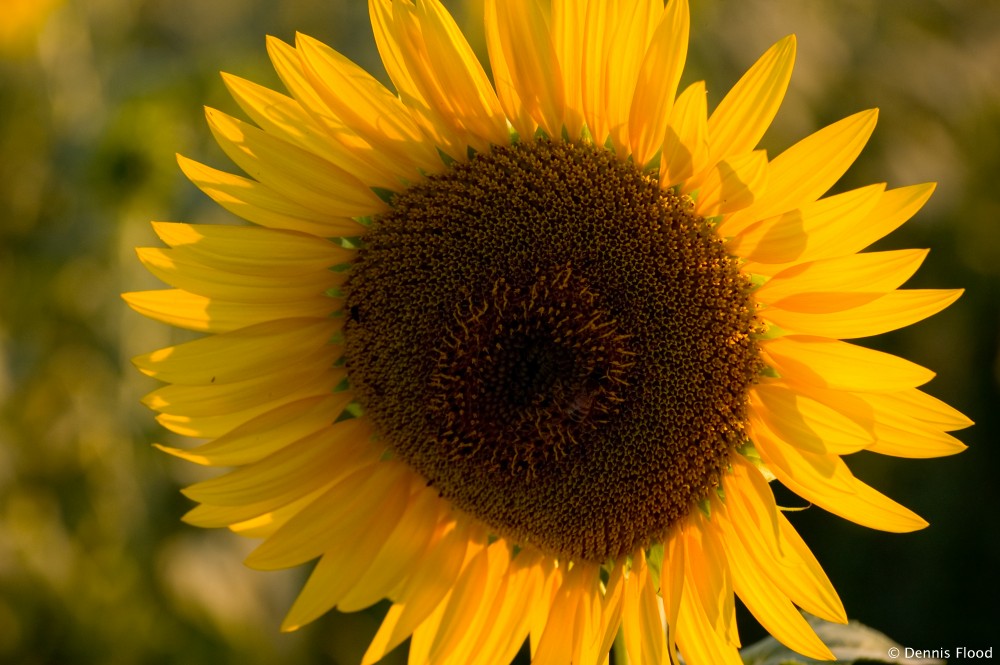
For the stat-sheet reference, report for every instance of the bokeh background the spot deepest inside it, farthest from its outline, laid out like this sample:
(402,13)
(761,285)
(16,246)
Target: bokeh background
(96,96)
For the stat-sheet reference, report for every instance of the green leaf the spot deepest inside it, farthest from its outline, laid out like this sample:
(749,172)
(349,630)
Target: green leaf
(851,643)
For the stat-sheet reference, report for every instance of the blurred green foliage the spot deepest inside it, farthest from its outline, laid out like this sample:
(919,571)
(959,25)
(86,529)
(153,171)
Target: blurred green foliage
(95,98)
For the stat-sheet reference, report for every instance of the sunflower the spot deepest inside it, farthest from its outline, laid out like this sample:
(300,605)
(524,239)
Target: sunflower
(522,353)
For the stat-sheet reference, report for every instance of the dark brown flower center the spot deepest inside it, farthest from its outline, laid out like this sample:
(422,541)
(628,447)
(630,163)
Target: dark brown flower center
(557,345)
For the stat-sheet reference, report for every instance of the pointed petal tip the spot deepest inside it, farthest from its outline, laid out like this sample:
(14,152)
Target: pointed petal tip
(234,83)
(289,626)
(186,455)
(271,42)
(189,517)
(956,449)
(302,39)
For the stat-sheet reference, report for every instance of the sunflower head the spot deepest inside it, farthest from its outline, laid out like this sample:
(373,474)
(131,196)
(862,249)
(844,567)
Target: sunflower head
(509,333)
(522,353)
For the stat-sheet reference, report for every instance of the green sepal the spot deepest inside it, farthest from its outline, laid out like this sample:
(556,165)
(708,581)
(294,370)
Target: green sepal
(769,371)
(446,158)
(652,167)
(387,195)
(749,452)
(757,280)
(352,410)
(705,507)
(772,332)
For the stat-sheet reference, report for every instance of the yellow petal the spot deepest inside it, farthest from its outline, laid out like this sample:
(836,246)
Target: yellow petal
(894,310)
(422,91)
(803,580)
(240,354)
(251,250)
(827,303)
(457,643)
(797,235)
(568,30)
(372,165)
(828,363)
(394,560)
(314,460)
(804,172)
(923,407)
(895,207)
(540,612)
(358,539)
(260,204)
(771,608)
(625,55)
(339,516)
(250,520)
(452,78)
(806,423)
(395,60)
(764,530)
(697,638)
(193,312)
(657,82)
(419,90)
(733,184)
(530,62)
(178,269)
(644,634)
(503,76)
(286,119)
(709,579)
(896,427)
(745,113)
(875,272)
(300,175)
(365,105)
(613,606)
(685,143)
(268,433)
(601,21)
(914,440)
(855,232)
(433,577)
(826,481)
(572,626)
(899,429)
(208,426)
(512,609)
(239,396)
(472,594)
(671,585)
